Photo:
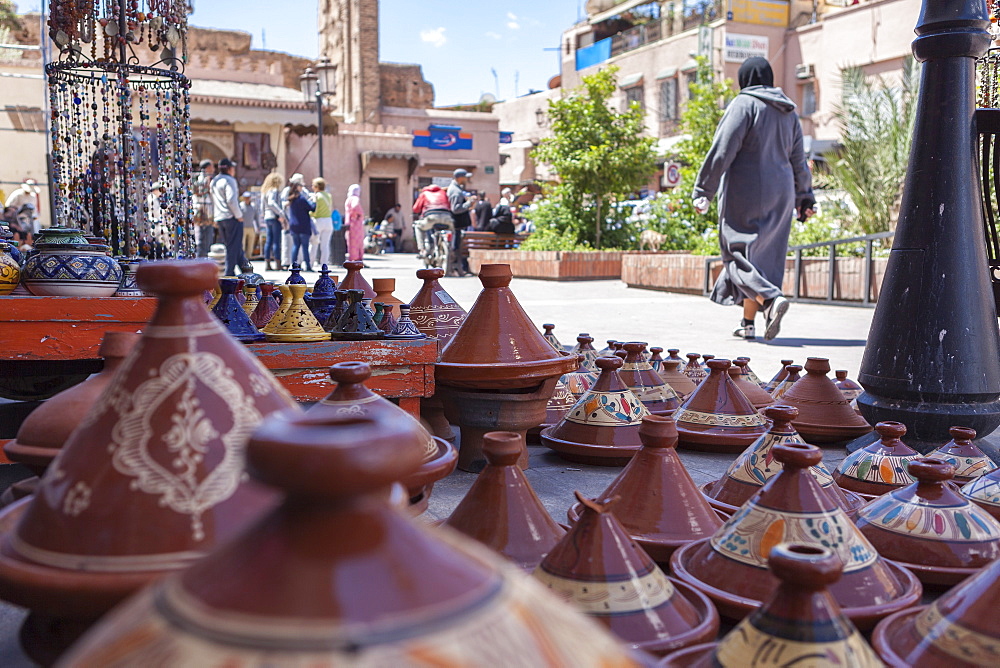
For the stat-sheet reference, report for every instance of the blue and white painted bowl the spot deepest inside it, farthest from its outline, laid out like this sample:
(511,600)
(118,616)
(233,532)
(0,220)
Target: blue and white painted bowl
(75,273)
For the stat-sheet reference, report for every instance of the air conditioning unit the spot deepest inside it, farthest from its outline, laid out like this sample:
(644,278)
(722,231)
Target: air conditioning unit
(805,71)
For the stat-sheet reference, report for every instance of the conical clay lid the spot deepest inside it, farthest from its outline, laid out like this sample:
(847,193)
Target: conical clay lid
(336,576)
(433,310)
(778,377)
(502,511)
(754,392)
(788,380)
(800,625)
(355,281)
(603,427)
(747,371)
(879,467)
(584,346)
(825,416)
(232,314)
(295,323)
(639,376)
(673,376)
(659,505)
(266,306)
(849,388)
(930,528)
(579,381)
(969,461)
(498,346)
(599,570)
(718,417)
(756,465)
(731,566)
(153,477)
(984,491)
(694,370)
(551,337)
(279,315)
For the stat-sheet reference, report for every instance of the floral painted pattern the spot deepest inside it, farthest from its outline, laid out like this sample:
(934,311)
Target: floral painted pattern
(608,408)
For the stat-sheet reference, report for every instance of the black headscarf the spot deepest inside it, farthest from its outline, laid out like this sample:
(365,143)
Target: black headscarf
(755,71)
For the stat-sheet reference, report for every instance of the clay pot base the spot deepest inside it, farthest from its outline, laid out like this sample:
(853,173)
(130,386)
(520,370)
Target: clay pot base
(894,639)
(583,453)
(737,607)
(856,501)
(35,457)
(820,434)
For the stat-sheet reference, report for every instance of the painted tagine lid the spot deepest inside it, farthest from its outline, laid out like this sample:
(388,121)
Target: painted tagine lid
(849,388)
(232,315)
(658,503)
(337,576)
(550,336)
(930,528)
(295,323)
(984,491)
(672,375)
(791,377)
(502,511)
(639,376)
(959,630)
(694,370)
(740,374)
(603,427)
(433,310)
(731,566)
(47,428)
(756,465)
(278,316)
(778,377)
(718,417)
(879,467)
(656,358)
(354,280)
(325,285)
(153,477)
(497,346)
(744,363)
(585,347)
(295,276)
(600,571)
(969,461)
(825,415)
(351,397)
(384,287)
(249,299)
(799,625)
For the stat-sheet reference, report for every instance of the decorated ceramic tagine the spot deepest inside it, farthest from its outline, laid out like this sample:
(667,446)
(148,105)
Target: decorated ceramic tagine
(791,376)
(433,310)
(232,316)
(336,576)
(405,329)
(744,363)
(127,287)
(740,374)
(756,465)
(497,372)
(672,375)
(295,323)
(638,375)
(266,307)
(10,270)
(295,276)
(959,630)
(323,298)
(603,426)
(930,528)
(731,566)
(355,281)
(658,504)
(153,476)
(849,388)
(717,416)
(66,265)
(880,467)
(655,358)
(985,492)
(250,300)
(825,415)
(551,337)
(584,346)
(799,625)
(356,322)
(502,511)
(969,461)
(694,370)
(778,377)
(286,301)
(598,569)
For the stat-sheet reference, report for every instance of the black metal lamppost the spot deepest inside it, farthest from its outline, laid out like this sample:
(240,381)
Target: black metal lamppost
(317,83)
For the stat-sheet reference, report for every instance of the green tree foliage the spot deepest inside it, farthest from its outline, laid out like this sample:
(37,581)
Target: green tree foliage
(8,16)
(600,155)
(876,123)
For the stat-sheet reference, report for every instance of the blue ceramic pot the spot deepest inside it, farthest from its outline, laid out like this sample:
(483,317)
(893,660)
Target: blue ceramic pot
(78,270)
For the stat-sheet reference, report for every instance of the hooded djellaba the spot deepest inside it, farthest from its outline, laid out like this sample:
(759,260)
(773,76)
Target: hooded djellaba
(758,168)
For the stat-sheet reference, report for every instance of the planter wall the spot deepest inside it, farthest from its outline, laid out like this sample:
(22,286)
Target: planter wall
(553,265)
(673,272)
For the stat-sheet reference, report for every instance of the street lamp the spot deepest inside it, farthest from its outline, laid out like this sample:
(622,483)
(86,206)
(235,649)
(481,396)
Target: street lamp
(539,117)
(316,84)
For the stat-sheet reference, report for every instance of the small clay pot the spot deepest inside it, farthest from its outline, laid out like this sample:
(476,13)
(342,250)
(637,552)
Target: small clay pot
(694,370)
(879,467)
(355,281)
(825,416)
(718,417)
(969,461)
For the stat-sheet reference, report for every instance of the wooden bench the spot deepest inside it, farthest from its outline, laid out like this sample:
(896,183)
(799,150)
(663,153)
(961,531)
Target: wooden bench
(476,240)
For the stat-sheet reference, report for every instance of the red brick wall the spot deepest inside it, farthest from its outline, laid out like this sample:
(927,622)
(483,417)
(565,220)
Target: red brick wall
(553,265)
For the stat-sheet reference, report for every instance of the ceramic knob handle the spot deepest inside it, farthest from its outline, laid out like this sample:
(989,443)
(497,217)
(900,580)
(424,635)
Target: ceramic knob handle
(693,356)
(607,363)
(673,351)
(797,455)
(350,373)
(741,362)
(708,358)
(422,274)
(785,363)
(793,369)
(358,266)
(177,277)
(841,374)
(634,347)
(781,415)
(930,469)
(495,275)
(962,435)
(548,327)
(502,448)
(299,290)
(890,431)
(583,337)
(734,372)
(817,365)
(671,365)
(719,364)
(656,350)
(658,431)
(621,353)
(810,567)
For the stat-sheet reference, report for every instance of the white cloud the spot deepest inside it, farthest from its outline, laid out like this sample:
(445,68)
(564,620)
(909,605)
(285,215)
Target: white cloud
(494,35)
(512,16)
(433,36)
(512,21)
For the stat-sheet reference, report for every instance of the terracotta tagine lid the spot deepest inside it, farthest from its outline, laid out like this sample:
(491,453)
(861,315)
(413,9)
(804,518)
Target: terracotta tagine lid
(579,381)
(384,287)
(603,427)
(433,310)
(337,576)
(351,397)
(655,358)
(799,625)
(551,337)
(754,392)
(639,376)
(229,311)
(756,465)
(849,388)
(502,511)
(958,630)
(930,528)
(879,467)
(608,349)
(153,477)
(718,417)
(498,347)
(778,377)
(747,371)
(279,315)
(296,323)
(731,566)
(672,375)
(47,428)
(584,346)
(672,354)
(694,370)
(355,281)
(984,491)
(555,410)
(965,456)
(825,416)
(600,571)
(659,505)
(792,372)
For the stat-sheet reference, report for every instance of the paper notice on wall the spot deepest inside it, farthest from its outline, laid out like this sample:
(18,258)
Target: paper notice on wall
(740,47)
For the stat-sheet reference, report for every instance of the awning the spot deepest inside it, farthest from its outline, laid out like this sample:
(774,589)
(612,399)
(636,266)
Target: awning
(665,145)
(631,80)
(410,156)
(667,73)
(617,9)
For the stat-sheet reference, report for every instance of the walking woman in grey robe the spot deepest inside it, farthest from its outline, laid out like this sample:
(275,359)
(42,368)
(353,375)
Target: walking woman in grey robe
(758,168)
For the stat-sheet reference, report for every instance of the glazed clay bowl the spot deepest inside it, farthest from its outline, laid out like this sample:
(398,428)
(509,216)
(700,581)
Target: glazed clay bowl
(856,501)
(735,607)
(583,453)
(893,640)
(71,275)
(706,629)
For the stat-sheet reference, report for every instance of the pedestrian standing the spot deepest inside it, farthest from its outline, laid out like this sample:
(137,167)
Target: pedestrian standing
(274,219)
(355,224)
(287,238)
(338,239)
(322,221)
(462,202)
(758,168)
(204,216)
(251,223)
(394,225)
(483,213)
(300,224)
(228,216)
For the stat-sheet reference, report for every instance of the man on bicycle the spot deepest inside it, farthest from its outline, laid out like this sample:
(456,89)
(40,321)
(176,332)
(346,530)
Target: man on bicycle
(431,209)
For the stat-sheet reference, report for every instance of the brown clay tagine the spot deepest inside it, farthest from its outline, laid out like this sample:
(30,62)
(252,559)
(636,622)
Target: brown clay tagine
(717,416)
(502,511)
(655,358)
(433,310)
(551,337)
(384,287)
(672,375)
(930,528)
(600,571)
(694,369)
(639,376)
(355,281)
(740,374)
(731,566)
(791,376)
(825,416)
(849,388)
(799,625)
(584,346)
(658,503)
(984,491)
(879,467)
(336,576)
(747,371)
(969,461)
(778,377)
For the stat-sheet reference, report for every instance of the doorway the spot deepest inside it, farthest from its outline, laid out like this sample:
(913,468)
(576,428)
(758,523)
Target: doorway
(383,197)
